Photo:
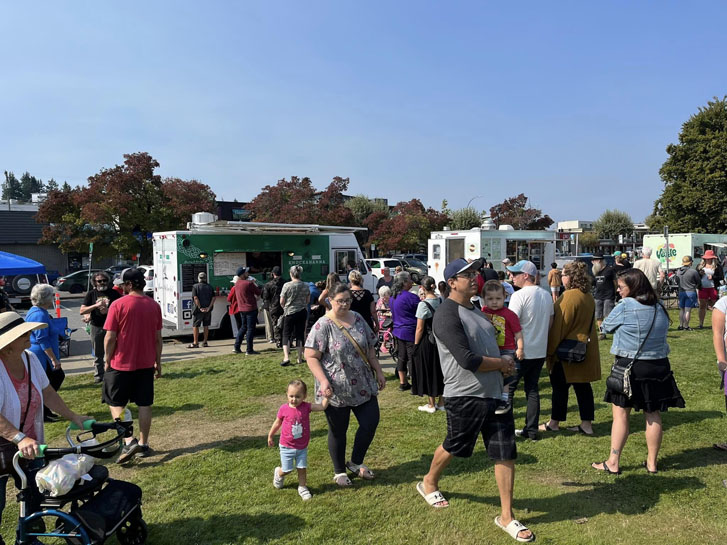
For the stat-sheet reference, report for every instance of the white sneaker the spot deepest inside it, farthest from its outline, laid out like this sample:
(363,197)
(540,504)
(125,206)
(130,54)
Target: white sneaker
(427,409)
(278,481)
(518,433)
(440,408)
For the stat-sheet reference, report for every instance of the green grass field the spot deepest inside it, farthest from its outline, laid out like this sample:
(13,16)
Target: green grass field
(210,481)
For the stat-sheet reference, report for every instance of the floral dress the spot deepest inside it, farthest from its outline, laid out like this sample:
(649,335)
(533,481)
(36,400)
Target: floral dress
(351,378)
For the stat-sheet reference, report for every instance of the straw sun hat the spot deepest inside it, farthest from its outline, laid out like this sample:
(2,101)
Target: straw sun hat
(12,327)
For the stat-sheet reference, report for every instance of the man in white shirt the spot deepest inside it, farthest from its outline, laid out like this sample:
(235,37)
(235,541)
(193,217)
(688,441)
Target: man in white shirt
(534,308)
(651,268)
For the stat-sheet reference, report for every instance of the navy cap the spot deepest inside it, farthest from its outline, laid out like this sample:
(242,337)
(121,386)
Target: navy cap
(461,265)
(242,270)
(134,276)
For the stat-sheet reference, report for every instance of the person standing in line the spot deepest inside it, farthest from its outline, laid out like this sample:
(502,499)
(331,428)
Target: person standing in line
(473,385)
(96,306)
(719,342)
(276,310)
(294,299)
(710,272)
(426,377)
(404,305)
(651,268)
(554,281)
(362,300)
(386,278)
(203,297)
(133,347)
(267,298)
(534,308)
(234,311)
(605,290)
(689,282)
(5,305)
(247,292)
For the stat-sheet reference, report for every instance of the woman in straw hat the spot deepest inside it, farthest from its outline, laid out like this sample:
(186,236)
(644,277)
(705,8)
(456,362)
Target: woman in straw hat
(24,390)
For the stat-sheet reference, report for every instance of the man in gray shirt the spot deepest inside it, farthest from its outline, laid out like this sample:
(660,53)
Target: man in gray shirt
(689,283)
(473,371)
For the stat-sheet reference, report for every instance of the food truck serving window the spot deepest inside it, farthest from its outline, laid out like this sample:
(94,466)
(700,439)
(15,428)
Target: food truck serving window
(346,261)
(190,271)
(263,262)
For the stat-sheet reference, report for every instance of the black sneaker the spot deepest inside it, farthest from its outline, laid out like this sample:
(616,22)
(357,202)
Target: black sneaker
(236,351)
(128,452)
(145,450)
(284,363)
(97,380)
(404,387)
(252,353)
(503,407)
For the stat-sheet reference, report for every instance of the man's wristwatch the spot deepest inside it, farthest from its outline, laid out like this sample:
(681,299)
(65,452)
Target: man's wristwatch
(18,437)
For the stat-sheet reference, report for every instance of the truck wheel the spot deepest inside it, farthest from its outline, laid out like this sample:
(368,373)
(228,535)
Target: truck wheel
(22,284)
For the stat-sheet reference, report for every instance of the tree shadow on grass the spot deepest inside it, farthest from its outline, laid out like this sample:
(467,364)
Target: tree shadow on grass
(192,373)
(629,495)
(225,529)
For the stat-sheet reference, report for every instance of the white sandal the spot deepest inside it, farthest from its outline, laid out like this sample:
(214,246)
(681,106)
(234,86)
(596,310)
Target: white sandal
(514,528)
(304,493)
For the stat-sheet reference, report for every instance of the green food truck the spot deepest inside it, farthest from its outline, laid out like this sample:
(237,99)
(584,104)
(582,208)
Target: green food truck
(219,247)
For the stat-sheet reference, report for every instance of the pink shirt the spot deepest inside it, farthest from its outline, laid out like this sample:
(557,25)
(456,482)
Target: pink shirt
(295,432)
(136,320)
(21,386)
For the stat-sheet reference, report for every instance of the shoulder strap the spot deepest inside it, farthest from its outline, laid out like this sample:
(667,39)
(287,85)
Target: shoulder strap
(638,352)
(357,346)
(30,390)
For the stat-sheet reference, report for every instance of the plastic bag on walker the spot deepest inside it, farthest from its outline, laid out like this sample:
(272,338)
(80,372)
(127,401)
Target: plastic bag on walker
(59,476)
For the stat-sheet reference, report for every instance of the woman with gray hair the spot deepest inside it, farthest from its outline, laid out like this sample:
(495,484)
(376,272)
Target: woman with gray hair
(403,310)
(362,301)
(294,299)
(44,342)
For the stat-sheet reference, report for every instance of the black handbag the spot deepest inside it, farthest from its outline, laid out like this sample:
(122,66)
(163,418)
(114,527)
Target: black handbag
(619,381)
(573,350)
(8,448)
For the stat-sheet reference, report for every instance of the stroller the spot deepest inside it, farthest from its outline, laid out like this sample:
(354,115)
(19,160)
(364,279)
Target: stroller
(387,342)
(97,508)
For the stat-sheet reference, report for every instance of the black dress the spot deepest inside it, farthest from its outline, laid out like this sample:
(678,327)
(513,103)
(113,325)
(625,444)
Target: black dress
(426,376)
(361,302)
(652,384)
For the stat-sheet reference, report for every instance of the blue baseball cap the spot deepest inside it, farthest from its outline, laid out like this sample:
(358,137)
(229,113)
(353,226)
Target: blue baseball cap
(524,266)
(461,265)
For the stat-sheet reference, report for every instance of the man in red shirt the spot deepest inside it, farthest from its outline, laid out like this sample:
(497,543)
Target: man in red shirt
(246,291)
(133,347)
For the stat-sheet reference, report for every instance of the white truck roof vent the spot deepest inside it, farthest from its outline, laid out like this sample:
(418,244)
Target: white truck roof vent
(487,224)
(203,217)
(506,228)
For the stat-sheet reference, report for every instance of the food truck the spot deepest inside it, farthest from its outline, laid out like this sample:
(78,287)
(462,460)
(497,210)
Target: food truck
(492,244)
(682,244)
(219,248)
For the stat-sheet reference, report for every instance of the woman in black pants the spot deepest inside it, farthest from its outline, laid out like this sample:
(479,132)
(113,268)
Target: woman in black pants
(341,354)
(294,299)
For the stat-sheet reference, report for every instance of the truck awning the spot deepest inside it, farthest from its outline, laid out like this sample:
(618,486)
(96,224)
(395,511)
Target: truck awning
(717,244)
(260,227)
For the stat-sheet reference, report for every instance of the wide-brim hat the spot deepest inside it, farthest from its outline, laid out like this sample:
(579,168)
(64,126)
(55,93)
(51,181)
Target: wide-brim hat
(12,327)
(709,254)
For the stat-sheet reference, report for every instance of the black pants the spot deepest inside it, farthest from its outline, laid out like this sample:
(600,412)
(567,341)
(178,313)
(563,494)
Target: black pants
(367,415)
(530,373)
(405,351)
(584,395)
(275,314)
(98,334)
(56,378)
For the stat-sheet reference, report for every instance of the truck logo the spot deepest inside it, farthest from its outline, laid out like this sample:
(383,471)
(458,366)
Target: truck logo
(187,304)
(661,253)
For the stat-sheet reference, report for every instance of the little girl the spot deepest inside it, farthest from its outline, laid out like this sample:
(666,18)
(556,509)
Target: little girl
(294,419)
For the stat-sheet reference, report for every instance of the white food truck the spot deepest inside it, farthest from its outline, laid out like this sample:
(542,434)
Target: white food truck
(218,248)
(492,244)
(681,244)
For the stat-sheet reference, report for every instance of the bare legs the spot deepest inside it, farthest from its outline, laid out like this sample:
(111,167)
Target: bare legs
(620,433)
(703,303)
(144,422)
(684,315)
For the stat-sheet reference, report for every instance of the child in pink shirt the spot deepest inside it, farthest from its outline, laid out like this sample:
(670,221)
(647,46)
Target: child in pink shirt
(293,421)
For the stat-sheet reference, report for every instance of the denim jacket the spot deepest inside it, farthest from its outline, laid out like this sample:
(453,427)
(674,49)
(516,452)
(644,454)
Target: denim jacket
(631,321)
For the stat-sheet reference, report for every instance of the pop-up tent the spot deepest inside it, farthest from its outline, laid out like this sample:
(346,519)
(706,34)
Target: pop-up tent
(11,264)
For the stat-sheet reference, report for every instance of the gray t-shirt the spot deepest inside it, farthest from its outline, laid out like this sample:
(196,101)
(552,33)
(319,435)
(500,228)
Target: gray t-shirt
(463,336)
(423,311)
(689,279)
(296,296)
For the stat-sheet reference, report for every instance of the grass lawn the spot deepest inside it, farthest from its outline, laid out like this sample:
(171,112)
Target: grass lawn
(210,481)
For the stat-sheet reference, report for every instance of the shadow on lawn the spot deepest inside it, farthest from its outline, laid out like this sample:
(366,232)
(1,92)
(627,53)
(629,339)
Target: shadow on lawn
(629,495)
(696,457)
(192,374)
(218,530)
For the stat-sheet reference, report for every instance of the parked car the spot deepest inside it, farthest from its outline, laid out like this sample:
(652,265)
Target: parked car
(561,261)
(116,269)
(76,282)
(376,264)
(148,271)
(416,268)
(420,257)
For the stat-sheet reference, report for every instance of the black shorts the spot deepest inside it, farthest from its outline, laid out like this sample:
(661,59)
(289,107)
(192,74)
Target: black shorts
(467,417)
(120,387)
(200,318)
(294,327)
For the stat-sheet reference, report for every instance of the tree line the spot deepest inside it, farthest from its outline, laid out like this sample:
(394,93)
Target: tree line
(22,189)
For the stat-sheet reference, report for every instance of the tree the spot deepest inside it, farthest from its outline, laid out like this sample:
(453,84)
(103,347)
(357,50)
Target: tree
(464,218)
(51,185)
(29,185)
(588,239)
(409,227)
(121,207)
(516,212)
(296,201)
(613,223)
(362,207)
(11,187)
(694,198)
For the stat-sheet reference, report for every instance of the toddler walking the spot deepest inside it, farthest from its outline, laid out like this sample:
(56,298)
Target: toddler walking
(293,421)
(509,333)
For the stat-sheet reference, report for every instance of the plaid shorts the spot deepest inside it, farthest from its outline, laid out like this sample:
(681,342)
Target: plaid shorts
(467,417)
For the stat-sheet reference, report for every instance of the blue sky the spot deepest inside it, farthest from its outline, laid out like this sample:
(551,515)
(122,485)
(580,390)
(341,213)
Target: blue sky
(571,103)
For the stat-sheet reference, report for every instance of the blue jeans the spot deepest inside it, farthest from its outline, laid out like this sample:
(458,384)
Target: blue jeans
(249,321)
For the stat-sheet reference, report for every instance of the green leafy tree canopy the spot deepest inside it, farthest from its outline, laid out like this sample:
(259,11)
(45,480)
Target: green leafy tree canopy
(464,218)
(613,223)
(694,198)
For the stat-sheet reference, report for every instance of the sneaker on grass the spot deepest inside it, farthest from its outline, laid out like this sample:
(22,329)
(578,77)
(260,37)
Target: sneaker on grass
(128,452)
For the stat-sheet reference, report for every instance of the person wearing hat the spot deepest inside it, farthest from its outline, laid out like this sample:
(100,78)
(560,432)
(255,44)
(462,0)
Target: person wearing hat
(21,415)
(534,308)
(689,282)
(247,292)
(96,306)
(233,309)
(621,261)
(473,375)
(118,285)
(604,291)
(271,305)
(711,273)
(203,297)
(133,348)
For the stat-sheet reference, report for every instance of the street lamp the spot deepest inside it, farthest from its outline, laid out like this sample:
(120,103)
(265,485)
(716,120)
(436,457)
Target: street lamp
(472,199)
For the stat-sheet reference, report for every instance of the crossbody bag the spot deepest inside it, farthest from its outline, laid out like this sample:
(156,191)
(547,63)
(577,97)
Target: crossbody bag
(8,448)
(573,350)
(619,381)
(357,346)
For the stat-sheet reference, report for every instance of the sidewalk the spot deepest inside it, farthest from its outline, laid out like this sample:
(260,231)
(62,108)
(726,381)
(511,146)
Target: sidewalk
(175,349)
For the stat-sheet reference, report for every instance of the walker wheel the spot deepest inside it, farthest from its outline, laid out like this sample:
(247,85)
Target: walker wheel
(132,532)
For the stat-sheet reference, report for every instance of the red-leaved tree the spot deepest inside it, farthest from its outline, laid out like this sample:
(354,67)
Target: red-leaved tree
(408,228)
(516,212)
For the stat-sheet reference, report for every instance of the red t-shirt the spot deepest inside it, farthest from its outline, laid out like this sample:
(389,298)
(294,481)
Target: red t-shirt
(232,299)
(506,323)
(245,291)
(136,320)
(21,386)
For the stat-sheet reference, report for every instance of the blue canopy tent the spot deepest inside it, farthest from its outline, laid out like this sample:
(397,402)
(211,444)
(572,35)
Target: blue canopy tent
(11,264)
